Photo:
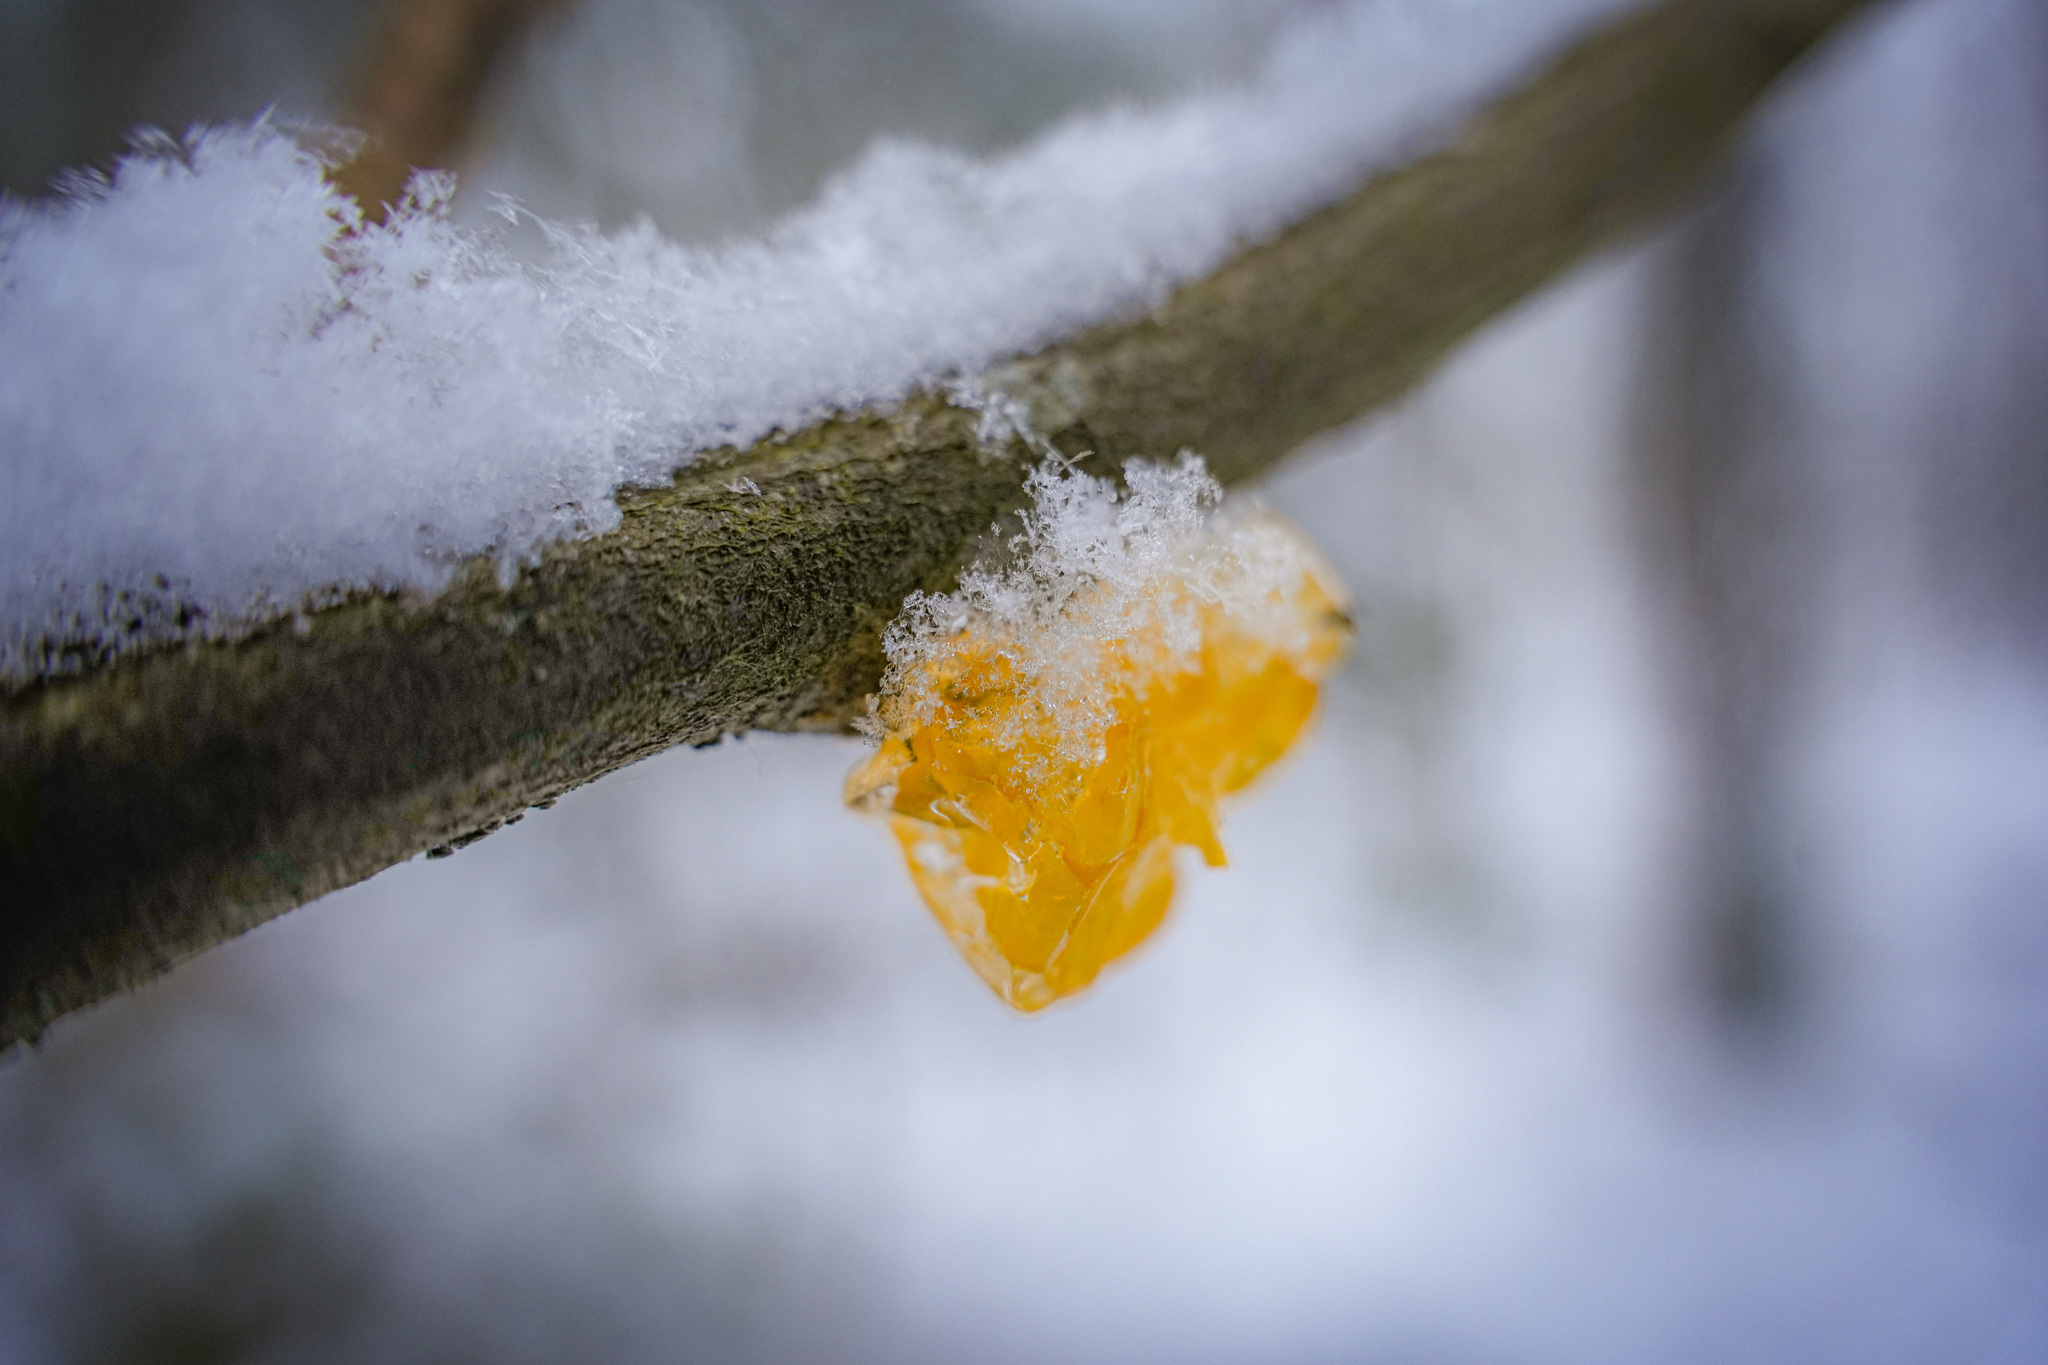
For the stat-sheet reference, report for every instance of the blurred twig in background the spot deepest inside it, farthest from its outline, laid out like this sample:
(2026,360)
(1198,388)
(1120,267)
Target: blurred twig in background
(416,87)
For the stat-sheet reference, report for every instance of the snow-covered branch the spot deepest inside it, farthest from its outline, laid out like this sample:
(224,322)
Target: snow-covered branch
(157,800)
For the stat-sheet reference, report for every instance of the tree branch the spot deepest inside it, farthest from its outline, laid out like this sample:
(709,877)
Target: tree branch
(171,799)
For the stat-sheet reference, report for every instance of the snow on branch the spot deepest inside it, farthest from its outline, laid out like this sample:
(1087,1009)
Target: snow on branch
(286,401)
(326,544)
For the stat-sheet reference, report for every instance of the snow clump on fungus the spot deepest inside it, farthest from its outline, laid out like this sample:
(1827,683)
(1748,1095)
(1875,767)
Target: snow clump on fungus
(1053,728)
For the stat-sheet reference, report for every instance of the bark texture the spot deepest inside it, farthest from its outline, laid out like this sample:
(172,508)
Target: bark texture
(171,799)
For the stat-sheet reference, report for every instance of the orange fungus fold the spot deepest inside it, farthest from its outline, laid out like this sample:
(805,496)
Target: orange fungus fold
(1051,731)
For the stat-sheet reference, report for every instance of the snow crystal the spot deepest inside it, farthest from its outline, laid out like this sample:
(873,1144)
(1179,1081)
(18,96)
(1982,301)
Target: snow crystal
(223,396)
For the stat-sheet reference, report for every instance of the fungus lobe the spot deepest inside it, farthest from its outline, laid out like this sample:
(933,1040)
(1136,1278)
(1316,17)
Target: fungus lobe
(1049,732)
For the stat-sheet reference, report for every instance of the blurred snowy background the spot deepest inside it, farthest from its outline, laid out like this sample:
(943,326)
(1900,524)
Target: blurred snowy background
(1646,960)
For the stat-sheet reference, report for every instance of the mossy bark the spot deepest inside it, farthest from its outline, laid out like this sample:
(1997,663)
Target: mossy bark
(171,799)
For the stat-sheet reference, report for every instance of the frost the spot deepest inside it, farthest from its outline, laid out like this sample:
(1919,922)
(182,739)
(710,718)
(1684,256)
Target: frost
(223,397)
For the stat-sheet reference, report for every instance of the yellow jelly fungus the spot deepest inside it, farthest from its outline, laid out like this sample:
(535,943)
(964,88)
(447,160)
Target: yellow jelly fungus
(1045,866)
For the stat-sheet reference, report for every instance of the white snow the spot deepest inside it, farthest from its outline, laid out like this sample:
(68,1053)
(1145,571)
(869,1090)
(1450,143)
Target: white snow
(221,398)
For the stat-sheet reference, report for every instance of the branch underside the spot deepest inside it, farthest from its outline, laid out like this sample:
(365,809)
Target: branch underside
(169,800)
